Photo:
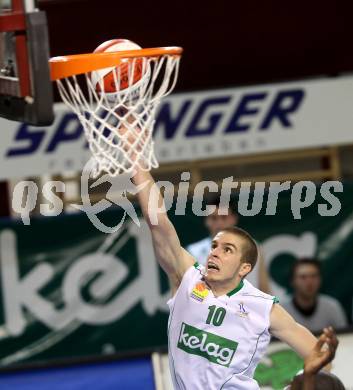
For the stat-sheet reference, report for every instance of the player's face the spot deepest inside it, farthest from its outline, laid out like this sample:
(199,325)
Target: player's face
(224,260)
(216,222)
(307,280)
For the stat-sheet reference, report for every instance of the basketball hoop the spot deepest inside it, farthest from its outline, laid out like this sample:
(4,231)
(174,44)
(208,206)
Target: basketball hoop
(119,124)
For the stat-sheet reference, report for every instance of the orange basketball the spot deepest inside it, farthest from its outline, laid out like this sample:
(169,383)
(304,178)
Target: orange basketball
(121,73)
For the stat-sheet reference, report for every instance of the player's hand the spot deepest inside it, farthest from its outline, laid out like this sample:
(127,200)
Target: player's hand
(323,352)
(133,141)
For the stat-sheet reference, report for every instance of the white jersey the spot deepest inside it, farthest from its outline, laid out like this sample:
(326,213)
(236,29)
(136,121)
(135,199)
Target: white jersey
(216,342)
(200,250)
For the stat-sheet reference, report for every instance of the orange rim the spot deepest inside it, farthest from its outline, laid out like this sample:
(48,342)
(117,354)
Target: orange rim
(65,66)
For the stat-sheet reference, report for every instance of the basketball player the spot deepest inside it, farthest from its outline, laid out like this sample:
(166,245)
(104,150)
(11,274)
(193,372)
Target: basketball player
(219,324)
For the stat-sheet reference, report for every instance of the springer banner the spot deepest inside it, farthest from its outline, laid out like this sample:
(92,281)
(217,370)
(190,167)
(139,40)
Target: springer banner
(67,290)
(199,125)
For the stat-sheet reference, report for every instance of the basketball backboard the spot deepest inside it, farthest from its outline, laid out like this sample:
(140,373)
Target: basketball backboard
(25,87)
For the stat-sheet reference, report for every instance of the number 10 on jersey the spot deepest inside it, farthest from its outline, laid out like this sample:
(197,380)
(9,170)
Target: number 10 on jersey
(215,315)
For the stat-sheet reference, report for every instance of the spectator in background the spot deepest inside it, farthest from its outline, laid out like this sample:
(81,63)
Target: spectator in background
(321,355)
(223,218)
(313,310)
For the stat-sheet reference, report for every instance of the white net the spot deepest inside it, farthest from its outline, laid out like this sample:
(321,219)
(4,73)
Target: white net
(117,107)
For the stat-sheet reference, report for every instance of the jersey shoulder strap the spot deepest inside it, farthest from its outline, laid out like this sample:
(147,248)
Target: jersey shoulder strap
(251,291)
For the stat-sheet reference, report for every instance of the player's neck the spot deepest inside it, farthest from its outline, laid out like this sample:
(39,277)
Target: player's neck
(224,287)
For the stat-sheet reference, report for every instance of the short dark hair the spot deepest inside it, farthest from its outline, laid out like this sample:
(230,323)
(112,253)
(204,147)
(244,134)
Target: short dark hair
(215,200)
(305,261)
(323,381)
(249,250)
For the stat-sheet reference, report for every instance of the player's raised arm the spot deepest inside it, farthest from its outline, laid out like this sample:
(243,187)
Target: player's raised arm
(284,327)
(170,255)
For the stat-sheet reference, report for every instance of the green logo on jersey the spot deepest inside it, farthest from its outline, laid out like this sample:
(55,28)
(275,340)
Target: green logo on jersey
(214,348)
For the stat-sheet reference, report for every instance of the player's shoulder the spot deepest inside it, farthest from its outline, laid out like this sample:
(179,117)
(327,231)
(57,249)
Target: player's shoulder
(198,268)
(251,292)
(192,276)
(194,272)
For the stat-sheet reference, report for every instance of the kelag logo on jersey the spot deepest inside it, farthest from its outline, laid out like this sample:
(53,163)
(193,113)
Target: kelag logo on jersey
(214,348)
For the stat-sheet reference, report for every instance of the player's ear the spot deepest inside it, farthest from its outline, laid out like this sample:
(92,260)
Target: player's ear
(245,268)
